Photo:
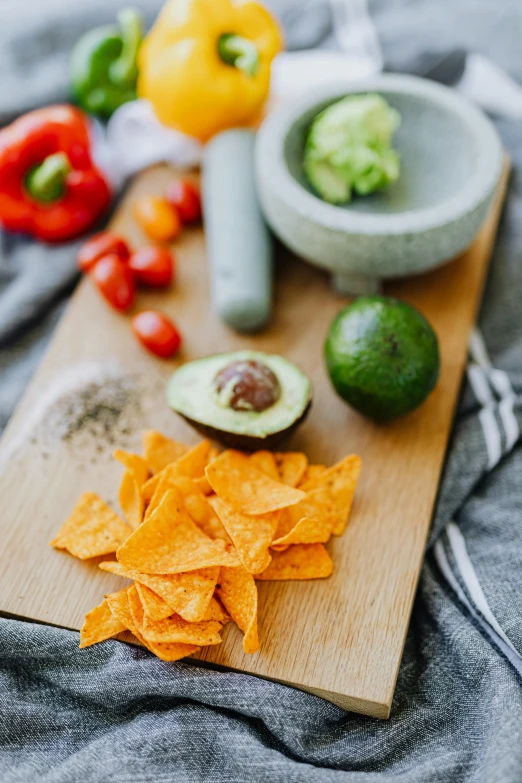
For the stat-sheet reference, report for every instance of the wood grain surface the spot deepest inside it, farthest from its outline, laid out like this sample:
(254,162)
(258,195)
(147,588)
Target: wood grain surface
(341,638)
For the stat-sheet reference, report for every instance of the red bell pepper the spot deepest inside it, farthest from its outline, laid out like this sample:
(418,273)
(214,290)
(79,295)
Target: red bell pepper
(49,184)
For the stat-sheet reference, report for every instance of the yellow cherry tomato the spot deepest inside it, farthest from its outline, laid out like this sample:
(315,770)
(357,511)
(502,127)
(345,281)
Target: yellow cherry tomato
(158,220)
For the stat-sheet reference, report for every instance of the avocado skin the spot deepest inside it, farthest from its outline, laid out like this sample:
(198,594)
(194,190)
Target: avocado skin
(247,442)
(382,357)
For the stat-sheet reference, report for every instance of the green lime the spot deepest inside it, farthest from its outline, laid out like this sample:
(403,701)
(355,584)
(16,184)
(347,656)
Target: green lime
(382,357)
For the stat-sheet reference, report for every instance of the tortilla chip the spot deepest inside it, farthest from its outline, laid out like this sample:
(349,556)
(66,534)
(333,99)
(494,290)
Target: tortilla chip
(153,606)
(341,482)
(195,502)
(202,484)
(238,594)
(199,509)
(169,542)
(216,612)
(213,453)
(310,476)
(302,561)
(134,464)
(175,630)
(164,482)
(251,536)
(212,526)
(307,531)
(131,500)
(194,461)
(148,489)
(160,451)
(190,465)
(188,595)
(167,652)
(309,522)
(285,525)
(279,547)
(265,461)
(99,624)
(93,529)
(292,466)
(240,484)
(119,606)
(113,567)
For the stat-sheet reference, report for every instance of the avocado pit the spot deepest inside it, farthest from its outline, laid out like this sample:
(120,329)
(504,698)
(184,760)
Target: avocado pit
(247,385)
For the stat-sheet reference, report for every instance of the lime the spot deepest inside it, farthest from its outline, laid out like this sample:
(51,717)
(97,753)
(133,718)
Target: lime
(382,357)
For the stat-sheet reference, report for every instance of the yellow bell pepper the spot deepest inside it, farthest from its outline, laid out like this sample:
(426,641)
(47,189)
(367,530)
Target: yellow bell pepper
(205,65)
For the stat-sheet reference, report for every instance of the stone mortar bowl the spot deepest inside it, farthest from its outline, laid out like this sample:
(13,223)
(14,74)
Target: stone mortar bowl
(451,159)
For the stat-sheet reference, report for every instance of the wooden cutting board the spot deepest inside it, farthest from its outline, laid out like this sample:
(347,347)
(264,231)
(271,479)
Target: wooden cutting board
(341,638)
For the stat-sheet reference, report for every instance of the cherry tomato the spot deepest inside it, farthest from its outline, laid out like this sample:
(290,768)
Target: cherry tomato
(184,197)
(157,218)
(156,333)
(115,281)
(152,266)
(100,245)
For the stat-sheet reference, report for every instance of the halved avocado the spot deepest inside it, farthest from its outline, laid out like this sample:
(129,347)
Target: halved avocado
(247,400)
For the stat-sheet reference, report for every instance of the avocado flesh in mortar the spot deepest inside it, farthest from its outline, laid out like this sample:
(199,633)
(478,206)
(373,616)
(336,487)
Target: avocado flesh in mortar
(382,357)
(192,392)
(348,148)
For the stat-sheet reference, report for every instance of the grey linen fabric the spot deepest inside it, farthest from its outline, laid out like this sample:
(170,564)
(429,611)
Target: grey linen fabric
(115,713)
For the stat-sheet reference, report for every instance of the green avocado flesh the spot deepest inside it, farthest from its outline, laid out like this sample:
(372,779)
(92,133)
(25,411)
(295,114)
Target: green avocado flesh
(348,148)
(192,393)
(382,357)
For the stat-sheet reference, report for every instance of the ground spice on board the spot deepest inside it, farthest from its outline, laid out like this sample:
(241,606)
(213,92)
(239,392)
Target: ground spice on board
(100,411)
(91,406)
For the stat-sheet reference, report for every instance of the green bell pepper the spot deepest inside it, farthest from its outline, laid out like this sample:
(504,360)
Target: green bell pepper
(103,65)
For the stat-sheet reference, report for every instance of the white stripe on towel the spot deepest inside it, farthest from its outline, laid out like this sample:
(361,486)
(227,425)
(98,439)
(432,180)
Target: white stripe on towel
(478,350)
(470,579)
(491,436)
(479,384)
(483,377)
(502,384)
(499,379)
(482,392)
(442,561)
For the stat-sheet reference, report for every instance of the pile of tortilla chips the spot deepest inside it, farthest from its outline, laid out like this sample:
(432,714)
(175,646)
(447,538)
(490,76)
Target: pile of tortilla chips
(200,528)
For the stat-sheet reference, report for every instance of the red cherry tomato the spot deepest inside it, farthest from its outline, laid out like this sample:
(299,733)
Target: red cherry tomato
(156,333)
(115,281)
(152,266)
(184,197)
(100,245)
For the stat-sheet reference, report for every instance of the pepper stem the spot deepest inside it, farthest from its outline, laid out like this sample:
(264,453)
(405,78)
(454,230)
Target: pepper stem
(124,70)
(46,181)
(239,52)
